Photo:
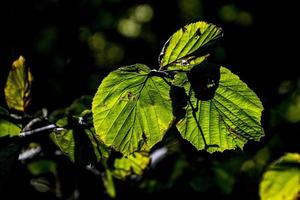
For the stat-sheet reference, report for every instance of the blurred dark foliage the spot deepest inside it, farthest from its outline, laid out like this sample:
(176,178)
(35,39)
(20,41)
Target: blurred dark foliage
(55,38)
(71,45)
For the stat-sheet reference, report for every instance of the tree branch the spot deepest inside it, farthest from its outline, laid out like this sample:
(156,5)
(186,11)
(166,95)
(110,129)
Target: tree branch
(42,129)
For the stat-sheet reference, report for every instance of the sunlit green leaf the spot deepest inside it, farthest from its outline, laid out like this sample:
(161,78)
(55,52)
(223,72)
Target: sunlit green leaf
(8,128)
(18,85)
(132,109)
(187,64)
(179,52)
(135,163)
(226,121)
(281,181)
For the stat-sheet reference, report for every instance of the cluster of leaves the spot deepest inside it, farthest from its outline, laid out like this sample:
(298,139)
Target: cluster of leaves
(211,107)
(135,107)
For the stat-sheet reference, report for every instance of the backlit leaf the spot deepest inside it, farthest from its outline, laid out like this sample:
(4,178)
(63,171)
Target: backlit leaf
(226,120)
(18,86)
(281,181)
(185,48)
(8,128)
(132,109)
(135,163)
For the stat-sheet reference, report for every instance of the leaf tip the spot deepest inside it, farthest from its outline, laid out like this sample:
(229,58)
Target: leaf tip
(19,63)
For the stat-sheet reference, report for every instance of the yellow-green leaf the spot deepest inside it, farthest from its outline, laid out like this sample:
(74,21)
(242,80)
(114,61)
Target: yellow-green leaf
(8,128)
(180,51)
(135,163)
(132,109)
(18,85)
(227,119)
(281,181)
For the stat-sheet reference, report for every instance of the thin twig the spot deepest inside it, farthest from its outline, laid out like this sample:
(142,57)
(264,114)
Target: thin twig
(29,153)
(17,117)
(31,123)
(45,128)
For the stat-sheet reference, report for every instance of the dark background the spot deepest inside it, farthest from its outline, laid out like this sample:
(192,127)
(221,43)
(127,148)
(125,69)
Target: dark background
(54,35)
(70,45)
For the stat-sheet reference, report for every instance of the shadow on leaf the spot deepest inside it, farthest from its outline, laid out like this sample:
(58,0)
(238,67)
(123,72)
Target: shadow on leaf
(204,79)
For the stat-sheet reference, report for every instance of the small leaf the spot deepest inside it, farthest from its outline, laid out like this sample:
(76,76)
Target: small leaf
(78,139)
(227,120)
(8,128)
(135,163)
(80,145)
(18,86)
(132,109)
(281,181)
(42,167)
(180,51)
(109,184)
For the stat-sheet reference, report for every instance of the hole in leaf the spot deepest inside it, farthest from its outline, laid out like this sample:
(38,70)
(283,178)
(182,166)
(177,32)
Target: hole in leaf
(198,32)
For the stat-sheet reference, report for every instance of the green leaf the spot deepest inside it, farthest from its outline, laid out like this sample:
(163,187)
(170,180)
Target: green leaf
(227,120)
(281,179)
(109,184)
(179,52)
(18,86)
(78,139)
(186,64)
(135,163)
(8,128)
(132,109)
(42,167)
(80,145)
